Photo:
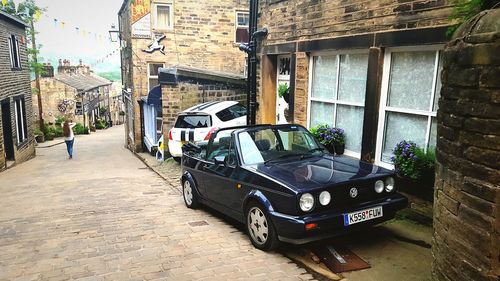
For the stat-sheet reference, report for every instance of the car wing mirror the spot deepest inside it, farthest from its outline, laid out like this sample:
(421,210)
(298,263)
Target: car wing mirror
(220,160)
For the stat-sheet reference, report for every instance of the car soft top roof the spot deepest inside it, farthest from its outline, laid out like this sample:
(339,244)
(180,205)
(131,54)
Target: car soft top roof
(209,107)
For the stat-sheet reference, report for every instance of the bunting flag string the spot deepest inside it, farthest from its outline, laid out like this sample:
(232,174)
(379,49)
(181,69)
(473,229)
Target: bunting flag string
(58,23)
(106,57)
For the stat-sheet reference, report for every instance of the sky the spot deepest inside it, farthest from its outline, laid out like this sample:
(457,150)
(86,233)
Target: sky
(95,16)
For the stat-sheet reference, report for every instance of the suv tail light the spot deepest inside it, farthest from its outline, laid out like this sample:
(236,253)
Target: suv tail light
(207,137)
(170,135)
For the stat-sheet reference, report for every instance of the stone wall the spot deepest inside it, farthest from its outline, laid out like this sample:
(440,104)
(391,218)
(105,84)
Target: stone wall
(295,20)
(15,83)
(203,36)
(466,244)
(53,93)
(176,98)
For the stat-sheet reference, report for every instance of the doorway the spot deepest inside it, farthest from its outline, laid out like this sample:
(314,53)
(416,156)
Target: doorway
(7,131)
(282,90)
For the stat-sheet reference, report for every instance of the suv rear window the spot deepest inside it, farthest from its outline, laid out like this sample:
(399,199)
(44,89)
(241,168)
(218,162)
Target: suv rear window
(231,112)
(193,121)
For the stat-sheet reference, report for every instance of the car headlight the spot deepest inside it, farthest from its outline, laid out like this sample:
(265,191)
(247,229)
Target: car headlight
(306,202)
(324,198)
(379,186)
(389,184)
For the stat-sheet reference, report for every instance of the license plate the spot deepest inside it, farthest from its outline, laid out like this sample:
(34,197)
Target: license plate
(363,215)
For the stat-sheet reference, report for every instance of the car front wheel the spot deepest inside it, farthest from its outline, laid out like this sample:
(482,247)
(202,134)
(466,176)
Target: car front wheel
(189,194)
(260,228)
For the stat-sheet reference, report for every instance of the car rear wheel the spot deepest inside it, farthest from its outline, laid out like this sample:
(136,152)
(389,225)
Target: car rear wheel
(260,228)
(177,159)
(189,194)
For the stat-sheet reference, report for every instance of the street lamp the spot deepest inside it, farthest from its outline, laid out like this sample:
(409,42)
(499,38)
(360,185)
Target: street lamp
(114,34)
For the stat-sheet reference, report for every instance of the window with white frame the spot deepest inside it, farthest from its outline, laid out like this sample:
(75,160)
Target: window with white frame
(15,60)
(410,91)
(153,74)
(21,125)
(163,16)
(337,87)
(242,23)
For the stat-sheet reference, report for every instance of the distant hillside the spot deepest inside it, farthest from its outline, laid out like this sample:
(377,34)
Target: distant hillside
(112,75)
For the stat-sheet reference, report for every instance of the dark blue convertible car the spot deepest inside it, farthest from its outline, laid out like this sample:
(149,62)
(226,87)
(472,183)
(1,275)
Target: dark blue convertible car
(280,182)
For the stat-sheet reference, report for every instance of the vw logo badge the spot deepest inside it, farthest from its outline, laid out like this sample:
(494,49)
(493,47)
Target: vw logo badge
(353,192)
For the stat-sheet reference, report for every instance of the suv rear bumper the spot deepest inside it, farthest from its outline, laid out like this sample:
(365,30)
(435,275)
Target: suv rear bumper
(175,148)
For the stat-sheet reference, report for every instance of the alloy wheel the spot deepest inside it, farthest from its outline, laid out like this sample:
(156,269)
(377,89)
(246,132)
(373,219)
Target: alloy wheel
(257,225)
(188,193)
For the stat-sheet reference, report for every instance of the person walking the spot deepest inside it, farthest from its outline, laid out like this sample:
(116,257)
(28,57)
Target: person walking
(69,137)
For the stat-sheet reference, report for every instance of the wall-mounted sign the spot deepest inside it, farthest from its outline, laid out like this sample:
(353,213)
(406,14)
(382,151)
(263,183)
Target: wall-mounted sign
(141,18)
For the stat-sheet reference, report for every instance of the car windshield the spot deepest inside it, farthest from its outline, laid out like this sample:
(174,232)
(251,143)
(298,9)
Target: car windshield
(192,121)
(264,145)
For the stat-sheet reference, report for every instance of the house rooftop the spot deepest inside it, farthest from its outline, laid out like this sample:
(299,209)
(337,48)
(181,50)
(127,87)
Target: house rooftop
(83,82)
(13,19)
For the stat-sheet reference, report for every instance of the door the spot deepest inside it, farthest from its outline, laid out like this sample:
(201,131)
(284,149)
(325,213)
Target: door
(283,82)
(7,131)
(218,180)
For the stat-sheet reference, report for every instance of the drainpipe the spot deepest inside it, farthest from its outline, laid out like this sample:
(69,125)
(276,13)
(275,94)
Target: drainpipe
(251,49)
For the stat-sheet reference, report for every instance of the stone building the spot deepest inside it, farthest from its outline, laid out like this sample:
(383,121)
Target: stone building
(370,67)
(197,35)
(74,92)
(466,242)
(16,131)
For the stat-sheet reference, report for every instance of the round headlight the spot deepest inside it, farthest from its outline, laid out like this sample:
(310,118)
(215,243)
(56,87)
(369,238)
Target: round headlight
(379,186)
(389,184)
(306,202)
(324,198)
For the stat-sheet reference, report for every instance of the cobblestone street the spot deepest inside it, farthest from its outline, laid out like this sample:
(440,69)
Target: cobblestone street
(105,216)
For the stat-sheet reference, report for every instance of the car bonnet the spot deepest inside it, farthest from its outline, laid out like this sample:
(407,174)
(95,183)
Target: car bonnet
(320,171)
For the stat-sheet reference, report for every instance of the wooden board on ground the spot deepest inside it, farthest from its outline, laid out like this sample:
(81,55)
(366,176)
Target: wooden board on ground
(339,259)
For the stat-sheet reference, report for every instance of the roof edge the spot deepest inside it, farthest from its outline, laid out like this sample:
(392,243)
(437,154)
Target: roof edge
(13,18)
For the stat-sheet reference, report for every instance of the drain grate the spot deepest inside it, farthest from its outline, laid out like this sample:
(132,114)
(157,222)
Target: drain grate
(197,223)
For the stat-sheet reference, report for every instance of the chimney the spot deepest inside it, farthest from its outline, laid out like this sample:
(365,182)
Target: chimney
(81,63)
(47,70)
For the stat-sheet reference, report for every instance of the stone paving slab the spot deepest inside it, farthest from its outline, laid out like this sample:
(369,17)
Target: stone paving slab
(105,216)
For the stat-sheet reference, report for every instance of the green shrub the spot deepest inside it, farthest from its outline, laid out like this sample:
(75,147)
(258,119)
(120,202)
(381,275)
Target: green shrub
(78,129)
(413,162)
(60,120)
(38,132)
(100,124)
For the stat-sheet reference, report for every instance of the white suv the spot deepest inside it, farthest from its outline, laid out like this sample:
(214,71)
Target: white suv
(198,122)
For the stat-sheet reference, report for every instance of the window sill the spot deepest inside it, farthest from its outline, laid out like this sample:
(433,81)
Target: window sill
(16,69)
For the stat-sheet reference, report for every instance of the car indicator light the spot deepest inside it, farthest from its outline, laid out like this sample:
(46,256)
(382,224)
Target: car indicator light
(389,184)
(311,226)
(170,135)
(324,198)
(306,202)
(379,186)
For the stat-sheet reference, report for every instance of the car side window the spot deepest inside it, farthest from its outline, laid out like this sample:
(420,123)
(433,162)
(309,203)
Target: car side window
(220,145)
(231,112)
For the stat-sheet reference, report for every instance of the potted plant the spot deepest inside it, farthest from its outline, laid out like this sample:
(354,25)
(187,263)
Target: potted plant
(284,92)
(39,136)
(332,138)
(415,167)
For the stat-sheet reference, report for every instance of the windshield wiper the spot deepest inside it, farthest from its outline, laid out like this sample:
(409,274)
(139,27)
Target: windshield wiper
(317,149)
(285,156)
